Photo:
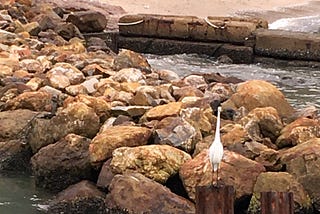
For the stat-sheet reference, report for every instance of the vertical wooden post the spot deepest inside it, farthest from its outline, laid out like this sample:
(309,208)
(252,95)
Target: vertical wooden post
(277,203)
(215,199)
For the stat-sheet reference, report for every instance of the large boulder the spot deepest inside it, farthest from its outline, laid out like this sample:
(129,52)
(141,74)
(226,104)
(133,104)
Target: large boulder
(280,182)
(299,131)
(76,118)
(88,21)
(59,165)
(158,162)
(235,170)
(82,197)
(106,142)
(303,162)
(258,93)
(138,194)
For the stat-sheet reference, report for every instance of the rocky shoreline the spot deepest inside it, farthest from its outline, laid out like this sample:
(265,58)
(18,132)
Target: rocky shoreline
(109,134)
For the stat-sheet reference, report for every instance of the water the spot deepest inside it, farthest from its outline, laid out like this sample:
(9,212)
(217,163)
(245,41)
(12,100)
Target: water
(18,195)
(301,86)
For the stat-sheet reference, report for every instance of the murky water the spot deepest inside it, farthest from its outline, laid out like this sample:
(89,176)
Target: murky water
(301,86)
(18,195)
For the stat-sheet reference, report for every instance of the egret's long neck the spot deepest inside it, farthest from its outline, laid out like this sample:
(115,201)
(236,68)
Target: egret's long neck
(217,134)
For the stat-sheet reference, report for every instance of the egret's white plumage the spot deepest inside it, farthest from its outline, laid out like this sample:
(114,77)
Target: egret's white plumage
(216,148)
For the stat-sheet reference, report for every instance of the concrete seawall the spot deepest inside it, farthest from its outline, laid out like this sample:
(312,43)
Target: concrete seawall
(244,40)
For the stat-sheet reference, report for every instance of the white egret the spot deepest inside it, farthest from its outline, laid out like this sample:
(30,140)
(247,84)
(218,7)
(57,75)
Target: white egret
(216,148)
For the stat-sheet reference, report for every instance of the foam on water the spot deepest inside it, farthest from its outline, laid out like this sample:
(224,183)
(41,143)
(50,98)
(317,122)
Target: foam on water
(299,24)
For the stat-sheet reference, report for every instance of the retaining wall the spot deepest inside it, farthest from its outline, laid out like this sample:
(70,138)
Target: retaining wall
(244,40)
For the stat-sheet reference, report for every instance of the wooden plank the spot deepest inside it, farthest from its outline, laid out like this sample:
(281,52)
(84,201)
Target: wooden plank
(277,203)
(215,199)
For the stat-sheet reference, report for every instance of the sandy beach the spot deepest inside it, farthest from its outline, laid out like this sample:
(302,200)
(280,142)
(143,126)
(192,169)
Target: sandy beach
(203,8)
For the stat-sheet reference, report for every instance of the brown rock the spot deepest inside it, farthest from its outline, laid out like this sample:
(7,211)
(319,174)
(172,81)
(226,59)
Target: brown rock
(187,91)
(299,131)
(303,162)
(281,182)
(82,197)
(68,31)
(235,170)
(263,123)
(258,93)
(88,21)
(75,90)
(138,194)
(5,71)
(158,162)
(103,144)
(63,163)
(195,81)
(35,101)
(130,59)
(132,111)
(31,65)
(162,111)
(76,118)
(105,176)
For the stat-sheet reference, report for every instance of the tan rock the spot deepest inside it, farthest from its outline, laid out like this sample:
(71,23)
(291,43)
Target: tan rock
(162,111)
(5,71)
(130,59)
(35,83)
(129,75)
(105,143)
(75,90)
(258,93)
(158,162)
(31,65)
(299,131)
(263,123)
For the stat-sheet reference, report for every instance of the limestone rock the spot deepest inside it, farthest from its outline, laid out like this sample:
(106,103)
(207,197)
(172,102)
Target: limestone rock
(176,132)
(303,162)
(299,131)
(138,194)
(282,182)
(235,170)
(258,93)
(158,162)
(82,197)
(263,123)
(63,163)
(88,21)
(105,143)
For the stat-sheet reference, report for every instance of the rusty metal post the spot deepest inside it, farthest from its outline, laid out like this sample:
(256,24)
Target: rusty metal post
(215,199)
(277,203)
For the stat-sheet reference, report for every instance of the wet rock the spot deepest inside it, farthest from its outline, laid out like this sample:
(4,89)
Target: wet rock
(15,155)
(235,170)
(159,112)
(263,123)
(88,21)
(35,101)
(63,163)
(281,182)
(299,131)
(258,93)
(176,132)
(82,197)
(104,143)
(131,59)
(14,124)
(303,162)
(76,118)
(129,190)
(216,77)
(158,162)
